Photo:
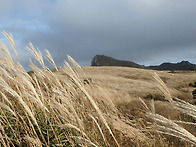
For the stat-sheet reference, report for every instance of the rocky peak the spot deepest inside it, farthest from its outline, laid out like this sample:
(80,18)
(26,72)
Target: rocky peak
(101,60)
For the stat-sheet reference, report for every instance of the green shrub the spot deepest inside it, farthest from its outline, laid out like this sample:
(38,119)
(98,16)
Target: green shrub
(149,96)
(30,73)
(194,94)
(192,84)
(87,81)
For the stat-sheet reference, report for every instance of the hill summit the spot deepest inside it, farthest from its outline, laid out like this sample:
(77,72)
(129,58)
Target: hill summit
(102,60)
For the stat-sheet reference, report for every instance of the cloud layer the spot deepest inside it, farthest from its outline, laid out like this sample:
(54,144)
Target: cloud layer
(147,32)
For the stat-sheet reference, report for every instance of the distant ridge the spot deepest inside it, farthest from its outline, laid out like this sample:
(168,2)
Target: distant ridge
(183,65)
(102,60)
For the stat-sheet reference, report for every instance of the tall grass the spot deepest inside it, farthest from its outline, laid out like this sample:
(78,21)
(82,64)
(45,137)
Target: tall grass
(55,108)
(172,127)
(48,108)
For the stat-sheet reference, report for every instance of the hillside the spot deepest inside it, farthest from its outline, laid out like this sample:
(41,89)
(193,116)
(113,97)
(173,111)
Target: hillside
(101,60)
(125,83)
(124,86)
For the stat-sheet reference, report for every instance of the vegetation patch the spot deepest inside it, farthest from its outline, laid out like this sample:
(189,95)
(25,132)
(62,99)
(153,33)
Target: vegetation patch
(192,84)
(87,81)
(194,94)
(31,73)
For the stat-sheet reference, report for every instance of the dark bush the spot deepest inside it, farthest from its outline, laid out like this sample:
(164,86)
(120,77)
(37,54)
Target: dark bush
(31,73)
(149,96)
(87,81)
(194,94)
(191,84)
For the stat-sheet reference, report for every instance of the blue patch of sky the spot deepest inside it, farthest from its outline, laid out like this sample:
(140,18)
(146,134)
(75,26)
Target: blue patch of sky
(25,24)
(53,1)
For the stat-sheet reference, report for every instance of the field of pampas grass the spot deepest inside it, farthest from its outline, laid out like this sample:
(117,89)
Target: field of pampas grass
(63,107)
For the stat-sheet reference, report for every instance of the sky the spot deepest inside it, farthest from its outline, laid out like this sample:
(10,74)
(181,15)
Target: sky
(148,32)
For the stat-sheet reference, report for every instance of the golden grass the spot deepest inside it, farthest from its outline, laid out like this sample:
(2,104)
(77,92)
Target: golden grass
(125,84)
(85,106)
(43,102)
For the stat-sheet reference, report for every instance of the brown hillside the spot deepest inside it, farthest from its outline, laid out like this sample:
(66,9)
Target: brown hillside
(125,84)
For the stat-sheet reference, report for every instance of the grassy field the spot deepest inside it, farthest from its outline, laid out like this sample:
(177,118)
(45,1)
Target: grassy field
(130,83)
(93,106)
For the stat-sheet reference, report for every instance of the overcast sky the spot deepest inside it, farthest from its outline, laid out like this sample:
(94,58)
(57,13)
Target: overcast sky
(148,32)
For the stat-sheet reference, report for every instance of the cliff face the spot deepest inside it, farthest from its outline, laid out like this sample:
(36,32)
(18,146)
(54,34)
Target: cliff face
(101,60)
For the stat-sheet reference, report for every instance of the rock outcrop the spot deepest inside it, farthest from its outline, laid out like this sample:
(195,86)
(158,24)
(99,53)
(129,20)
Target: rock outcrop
(101,60)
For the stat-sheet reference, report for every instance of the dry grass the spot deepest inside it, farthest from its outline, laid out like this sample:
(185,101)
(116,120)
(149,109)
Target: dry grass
(125,84)
(167,126)
(88,106)
(53,108)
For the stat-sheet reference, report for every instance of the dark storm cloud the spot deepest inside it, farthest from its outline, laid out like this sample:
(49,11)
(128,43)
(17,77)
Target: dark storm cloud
(148,32)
